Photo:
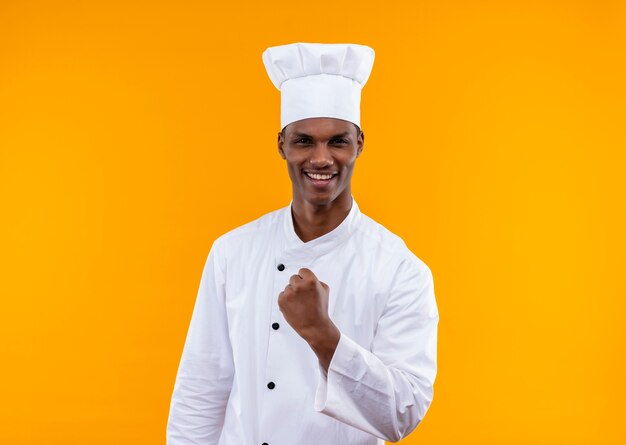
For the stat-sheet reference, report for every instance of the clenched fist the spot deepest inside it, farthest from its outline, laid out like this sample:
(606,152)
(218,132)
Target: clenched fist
(304,304)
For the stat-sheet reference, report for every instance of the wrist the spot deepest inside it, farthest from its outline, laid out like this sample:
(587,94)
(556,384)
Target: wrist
(324,339)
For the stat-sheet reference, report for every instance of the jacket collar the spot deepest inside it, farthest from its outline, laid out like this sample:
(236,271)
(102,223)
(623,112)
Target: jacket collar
(296,249)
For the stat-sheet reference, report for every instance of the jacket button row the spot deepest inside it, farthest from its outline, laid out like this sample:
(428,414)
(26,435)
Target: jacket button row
(281,267)
(271,385)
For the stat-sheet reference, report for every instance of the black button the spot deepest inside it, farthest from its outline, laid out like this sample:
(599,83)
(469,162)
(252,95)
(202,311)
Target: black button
(271,385)
(275,326)
(264,443)
(281,267)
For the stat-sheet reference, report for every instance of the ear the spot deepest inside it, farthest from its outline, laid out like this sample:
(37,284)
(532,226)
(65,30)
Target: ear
(280,145)
(360,143)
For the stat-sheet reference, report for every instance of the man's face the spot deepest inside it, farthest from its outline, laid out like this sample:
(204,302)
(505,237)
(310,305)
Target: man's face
(320,146)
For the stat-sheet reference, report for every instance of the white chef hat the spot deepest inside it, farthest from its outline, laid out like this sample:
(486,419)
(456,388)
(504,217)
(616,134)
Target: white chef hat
(319,79)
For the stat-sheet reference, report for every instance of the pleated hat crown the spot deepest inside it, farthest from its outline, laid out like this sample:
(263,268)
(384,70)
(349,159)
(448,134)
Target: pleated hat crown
(319,79)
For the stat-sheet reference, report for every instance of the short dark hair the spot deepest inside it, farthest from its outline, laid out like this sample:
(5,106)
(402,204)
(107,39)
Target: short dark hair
(358,130)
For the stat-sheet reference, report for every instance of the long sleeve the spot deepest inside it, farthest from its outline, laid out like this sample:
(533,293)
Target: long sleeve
(205,372)
(387,390)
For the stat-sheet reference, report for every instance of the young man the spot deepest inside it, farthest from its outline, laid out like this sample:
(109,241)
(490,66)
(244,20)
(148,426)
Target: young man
(313,324)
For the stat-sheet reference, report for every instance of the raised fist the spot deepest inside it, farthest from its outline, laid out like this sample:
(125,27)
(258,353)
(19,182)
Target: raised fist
(304,304)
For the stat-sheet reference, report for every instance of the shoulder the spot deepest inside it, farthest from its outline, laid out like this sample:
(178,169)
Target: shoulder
(248,234)
(392,262)
(408,280)
(378,237)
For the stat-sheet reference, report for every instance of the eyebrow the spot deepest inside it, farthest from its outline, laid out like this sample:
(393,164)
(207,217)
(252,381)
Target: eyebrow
(304,135)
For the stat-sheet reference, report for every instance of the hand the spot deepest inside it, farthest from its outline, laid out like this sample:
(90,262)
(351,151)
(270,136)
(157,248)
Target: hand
(304,304)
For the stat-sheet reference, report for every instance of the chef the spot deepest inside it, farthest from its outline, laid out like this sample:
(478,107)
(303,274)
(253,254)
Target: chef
(313,324)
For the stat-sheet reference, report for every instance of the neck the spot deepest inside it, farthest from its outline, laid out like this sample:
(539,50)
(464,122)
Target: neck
(312,221)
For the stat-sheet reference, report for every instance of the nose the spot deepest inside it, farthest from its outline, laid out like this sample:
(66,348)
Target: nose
(321,156)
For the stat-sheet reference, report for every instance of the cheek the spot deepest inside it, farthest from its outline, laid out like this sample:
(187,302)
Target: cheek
(347,168)
(294,172)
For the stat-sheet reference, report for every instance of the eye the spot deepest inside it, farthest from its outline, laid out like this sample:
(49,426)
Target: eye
(339,141)
(302,140)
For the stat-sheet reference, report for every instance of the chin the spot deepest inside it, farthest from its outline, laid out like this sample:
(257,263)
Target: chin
(320,199)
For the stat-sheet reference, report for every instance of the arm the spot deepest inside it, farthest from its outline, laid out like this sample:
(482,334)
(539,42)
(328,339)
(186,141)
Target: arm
(205,372)
(387,390)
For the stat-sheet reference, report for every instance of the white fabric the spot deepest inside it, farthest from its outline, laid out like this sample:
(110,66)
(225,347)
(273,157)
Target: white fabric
(319,79)
(380,380)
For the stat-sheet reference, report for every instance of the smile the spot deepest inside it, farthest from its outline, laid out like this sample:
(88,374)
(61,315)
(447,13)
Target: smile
(319,180)
(320,177)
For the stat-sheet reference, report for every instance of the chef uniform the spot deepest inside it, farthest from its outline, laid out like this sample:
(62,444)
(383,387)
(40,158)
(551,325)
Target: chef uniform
(246,377)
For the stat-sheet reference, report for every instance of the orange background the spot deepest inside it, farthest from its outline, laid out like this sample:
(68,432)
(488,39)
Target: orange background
(132,134)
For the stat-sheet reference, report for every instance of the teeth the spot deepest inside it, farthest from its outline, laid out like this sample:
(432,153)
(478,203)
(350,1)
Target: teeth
(318,176)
